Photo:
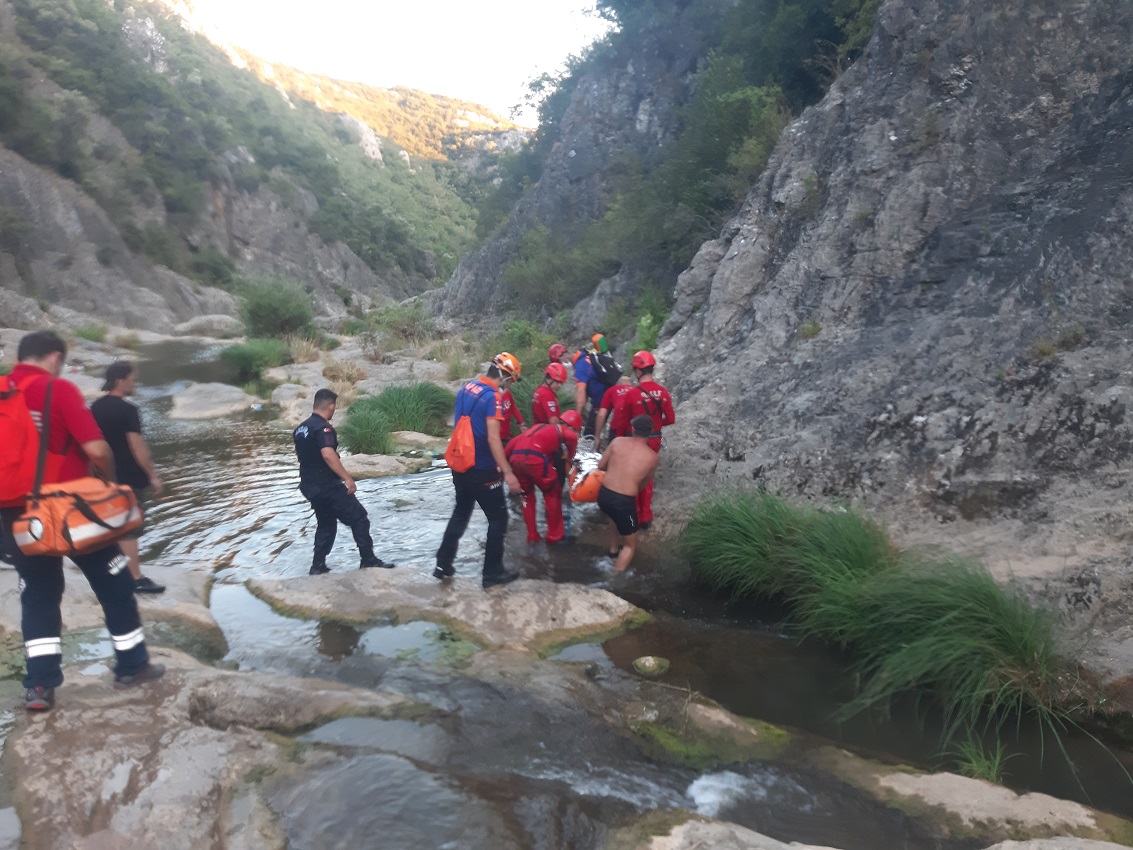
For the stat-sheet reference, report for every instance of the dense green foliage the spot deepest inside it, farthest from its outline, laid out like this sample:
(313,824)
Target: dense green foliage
(920,623)
(247,361)
(422,407)
(529,343)
(275,308)
(193,120)
(764,62)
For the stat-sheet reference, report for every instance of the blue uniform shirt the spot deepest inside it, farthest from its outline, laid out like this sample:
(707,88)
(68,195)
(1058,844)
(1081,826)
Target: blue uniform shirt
(480,400)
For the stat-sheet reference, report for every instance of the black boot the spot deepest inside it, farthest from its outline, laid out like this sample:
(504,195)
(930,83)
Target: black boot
(318,569)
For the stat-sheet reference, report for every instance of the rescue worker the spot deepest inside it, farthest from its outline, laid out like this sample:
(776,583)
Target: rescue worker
(655,402)
(511,411)
(629,465)
(536,456)
(75,445)
(614,401)
(556,354)
(545,404)
(330,489)
(482,484)
(589,387)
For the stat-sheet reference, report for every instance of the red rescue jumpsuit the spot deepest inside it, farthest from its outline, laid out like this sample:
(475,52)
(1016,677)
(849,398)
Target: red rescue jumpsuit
(656,403)
(531,455)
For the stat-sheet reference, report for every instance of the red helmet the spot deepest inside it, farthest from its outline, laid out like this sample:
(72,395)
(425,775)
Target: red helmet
(555,352)
(572,418)
(643,360)
(556,372)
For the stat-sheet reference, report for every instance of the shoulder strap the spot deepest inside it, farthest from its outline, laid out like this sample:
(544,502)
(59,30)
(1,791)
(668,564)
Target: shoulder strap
(44,439)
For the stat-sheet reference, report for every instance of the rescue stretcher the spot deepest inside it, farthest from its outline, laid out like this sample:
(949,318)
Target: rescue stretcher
(585,478)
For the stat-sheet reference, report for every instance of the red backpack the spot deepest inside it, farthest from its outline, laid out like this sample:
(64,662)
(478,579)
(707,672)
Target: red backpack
(19,443)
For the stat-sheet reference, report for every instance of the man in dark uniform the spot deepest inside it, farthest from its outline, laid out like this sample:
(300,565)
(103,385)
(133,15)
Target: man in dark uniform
(329,487)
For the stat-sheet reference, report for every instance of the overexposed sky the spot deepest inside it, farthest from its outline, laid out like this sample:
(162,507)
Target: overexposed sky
(483,52)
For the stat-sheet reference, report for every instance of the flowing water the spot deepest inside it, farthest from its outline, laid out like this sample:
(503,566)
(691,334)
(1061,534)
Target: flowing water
(498,769)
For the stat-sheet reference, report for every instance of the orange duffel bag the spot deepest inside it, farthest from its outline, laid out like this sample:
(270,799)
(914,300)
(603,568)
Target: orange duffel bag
(72,517)
(76,517)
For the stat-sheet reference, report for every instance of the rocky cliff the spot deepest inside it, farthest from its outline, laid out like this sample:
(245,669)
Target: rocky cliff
(624,106)
(924,303)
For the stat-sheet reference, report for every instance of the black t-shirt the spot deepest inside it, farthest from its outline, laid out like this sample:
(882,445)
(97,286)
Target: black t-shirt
(311,438)
(116,418)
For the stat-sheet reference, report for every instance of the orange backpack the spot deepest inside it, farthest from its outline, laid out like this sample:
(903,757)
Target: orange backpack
(461,452)
(19,444)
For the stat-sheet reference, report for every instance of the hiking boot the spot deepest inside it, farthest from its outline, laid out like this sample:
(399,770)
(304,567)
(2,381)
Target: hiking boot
(375,562)
(147,674)
(148,585)
(492,579)
(444,572)
(318,570)
(39,698)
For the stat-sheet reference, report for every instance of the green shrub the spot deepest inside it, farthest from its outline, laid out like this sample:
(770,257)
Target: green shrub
(91,333)
(917,622)
(274,307)
(247,361)
(409,323)
(5,368)
(421,407)
(353,326)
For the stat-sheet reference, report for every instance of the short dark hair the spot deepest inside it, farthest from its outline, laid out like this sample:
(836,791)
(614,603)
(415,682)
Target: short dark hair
(494,371)
(117,371)
(324,397)
(39,344)
(642,425)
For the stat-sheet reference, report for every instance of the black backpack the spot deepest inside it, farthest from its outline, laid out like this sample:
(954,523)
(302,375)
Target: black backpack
(605,367)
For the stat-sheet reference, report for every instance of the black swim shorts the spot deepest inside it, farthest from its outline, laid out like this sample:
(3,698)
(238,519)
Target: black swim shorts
(621,509)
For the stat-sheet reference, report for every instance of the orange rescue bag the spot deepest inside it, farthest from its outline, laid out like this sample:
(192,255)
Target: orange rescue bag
(76,517)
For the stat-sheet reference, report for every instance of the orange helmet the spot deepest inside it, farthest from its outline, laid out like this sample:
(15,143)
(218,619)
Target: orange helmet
(574,357)
(643,360)
(556,372)
(508,364)
(555,352)
(573,419)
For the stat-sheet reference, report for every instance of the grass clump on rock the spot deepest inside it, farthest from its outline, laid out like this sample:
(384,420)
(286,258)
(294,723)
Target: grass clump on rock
(247,361)
(919,623)
(421,407)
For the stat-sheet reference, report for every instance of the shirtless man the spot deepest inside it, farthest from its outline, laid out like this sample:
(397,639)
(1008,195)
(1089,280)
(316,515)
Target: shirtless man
(629,464)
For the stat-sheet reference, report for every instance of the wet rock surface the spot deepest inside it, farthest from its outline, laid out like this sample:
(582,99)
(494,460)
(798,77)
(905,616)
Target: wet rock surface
(533,615)
(209,401)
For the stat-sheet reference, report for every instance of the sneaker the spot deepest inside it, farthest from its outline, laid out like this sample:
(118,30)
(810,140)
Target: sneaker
(148,585)
(444,572)
(492,579)
(375,562)
(147,674)
(39,698)
(318,570)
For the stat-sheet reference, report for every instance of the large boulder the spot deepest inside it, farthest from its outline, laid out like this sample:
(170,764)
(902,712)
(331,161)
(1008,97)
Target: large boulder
(209,401)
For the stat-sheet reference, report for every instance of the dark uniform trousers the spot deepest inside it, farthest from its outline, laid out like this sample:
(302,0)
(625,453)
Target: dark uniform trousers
(332,505)
(41,594)
(483,487)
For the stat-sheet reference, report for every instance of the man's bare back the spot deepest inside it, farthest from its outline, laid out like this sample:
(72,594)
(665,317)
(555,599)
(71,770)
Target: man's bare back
(629,463)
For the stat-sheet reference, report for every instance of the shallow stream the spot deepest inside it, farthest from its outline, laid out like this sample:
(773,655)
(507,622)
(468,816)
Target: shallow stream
(501,769)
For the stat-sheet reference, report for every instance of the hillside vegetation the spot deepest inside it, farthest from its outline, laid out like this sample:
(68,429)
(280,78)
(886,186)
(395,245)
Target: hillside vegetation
(190,123)
(766,60)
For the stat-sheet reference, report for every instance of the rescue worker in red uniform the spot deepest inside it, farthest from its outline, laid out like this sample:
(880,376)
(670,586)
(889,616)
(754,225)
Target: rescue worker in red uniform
(511,411)
(615,402)
(545,404)
(533,456)
(655,402)
(556,354)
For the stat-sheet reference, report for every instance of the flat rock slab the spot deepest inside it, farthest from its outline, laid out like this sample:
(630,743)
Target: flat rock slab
(383,466)
(209,401)
(532,615)
(169,764)
(974,807)
(1059,844)
(701,835)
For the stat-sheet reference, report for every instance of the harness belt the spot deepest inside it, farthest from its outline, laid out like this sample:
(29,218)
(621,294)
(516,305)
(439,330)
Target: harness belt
(547,461)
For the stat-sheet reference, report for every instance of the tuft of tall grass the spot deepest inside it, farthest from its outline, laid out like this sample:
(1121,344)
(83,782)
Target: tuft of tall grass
(246,361)
(303,349)
(917,622)
(91,333)
(421,407)
(340,371)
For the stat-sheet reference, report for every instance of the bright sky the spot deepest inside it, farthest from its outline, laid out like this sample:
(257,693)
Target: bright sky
(483,52)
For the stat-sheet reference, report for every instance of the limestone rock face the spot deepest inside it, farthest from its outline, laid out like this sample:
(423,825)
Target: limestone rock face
(71,255)
(924,303)
(631,108)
